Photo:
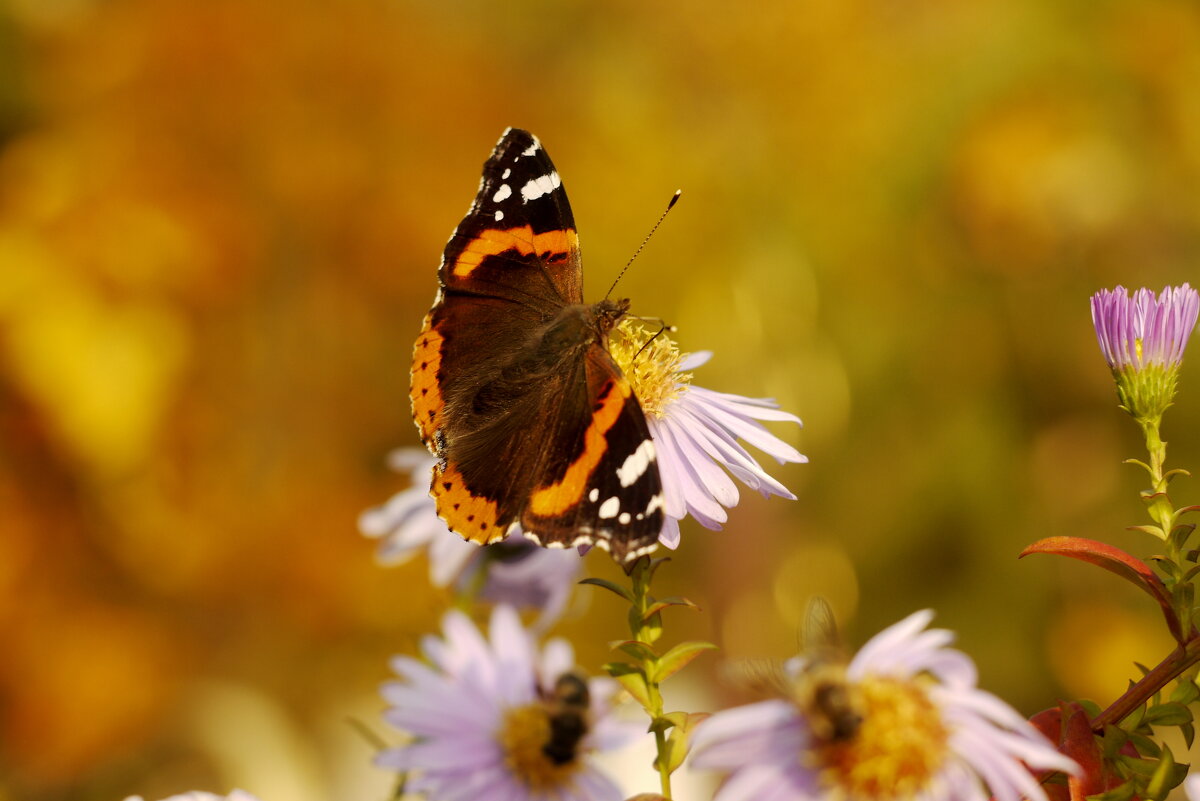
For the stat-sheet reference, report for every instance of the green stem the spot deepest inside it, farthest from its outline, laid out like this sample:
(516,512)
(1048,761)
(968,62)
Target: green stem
(1160,506)
(648,631)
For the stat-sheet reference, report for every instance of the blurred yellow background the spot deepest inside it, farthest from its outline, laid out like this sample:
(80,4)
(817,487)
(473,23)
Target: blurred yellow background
(219,228)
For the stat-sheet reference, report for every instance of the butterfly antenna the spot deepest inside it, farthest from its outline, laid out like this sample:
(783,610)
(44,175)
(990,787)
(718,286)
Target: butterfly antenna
(661,217)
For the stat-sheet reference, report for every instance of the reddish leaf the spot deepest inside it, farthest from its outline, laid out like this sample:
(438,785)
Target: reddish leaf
(1115,561)
(1075,738)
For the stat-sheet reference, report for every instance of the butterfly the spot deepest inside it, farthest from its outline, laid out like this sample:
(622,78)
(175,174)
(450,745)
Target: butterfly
(534,426)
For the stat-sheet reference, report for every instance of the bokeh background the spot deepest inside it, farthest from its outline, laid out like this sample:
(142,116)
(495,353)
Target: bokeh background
(219,228)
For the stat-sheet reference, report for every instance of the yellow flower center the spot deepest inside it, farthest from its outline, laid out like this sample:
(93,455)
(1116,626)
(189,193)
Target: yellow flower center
(524,735)
(650,368)
(898,747)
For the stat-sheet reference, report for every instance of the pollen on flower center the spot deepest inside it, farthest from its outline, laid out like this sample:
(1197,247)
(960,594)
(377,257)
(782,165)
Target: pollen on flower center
(900,745)
(651,371)
(524,735)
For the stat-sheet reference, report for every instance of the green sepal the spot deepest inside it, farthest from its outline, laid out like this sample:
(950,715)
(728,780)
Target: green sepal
(635,649)
(632,680)
(678,658)
(610,586)
(658,606)
(1155,531)
(1168,714)
(1090,707)
(1188,730)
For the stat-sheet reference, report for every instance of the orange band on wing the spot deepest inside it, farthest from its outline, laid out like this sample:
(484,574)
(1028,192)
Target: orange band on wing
(426,395)
(472,517)
(494,241)
(565,493)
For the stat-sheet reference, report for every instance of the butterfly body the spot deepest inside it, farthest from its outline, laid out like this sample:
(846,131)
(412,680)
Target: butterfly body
(513,389)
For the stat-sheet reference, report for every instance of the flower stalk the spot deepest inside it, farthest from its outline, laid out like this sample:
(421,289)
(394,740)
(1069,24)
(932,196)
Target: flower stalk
(643,674)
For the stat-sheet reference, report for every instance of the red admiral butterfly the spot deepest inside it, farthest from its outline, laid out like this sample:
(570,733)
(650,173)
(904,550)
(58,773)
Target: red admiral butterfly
(513,388)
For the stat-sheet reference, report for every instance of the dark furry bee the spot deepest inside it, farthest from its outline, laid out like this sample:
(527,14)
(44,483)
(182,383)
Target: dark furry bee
(568,709)
(819,688)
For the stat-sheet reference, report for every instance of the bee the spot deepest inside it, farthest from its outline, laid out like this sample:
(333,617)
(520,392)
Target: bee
(820,688)
(568,709)
(816,680)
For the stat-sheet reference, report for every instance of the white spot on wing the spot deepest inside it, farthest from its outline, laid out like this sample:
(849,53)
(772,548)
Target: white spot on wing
(594,495)
(507,172)
(655,503)
(624,518)
(503,192)
(499,215)
(542,185)
(610,508)
(635,464)
(533,147)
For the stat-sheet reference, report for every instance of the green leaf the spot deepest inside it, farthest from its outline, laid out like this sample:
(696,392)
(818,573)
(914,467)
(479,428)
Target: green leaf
(1124,792)
(649,630)
(1145,746)
(1168,714)
(1135,718)
(1114,739)
(610,586)
(678,658)
(1189,734)
(655,564)
(658,606)
(632,680)
(1160,782)
(1185,692)
(668,720)
(677,744)
(635,649)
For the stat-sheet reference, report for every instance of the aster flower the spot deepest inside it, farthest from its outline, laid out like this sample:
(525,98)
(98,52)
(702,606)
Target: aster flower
(514,571)
(920,729)
(496,720)
(1143,339)
(697,431)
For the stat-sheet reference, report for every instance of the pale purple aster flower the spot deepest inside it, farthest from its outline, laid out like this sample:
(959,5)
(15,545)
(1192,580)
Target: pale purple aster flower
(490,720)
(1143,339)
(1191,786)
(517,571)
(697,431)
(921,730)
